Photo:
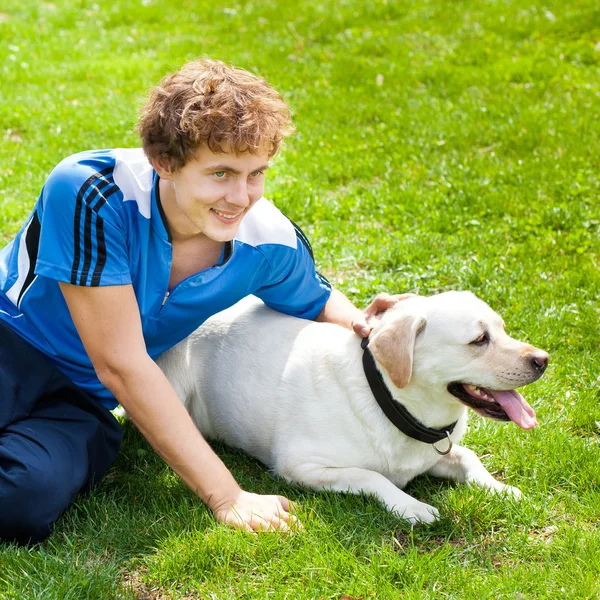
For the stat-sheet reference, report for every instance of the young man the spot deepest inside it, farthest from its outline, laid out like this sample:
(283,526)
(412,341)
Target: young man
(126,252)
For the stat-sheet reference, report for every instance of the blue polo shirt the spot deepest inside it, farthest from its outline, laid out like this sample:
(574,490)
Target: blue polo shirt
(99,221)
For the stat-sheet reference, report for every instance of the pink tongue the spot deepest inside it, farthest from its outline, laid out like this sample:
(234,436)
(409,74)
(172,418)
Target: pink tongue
(515,407)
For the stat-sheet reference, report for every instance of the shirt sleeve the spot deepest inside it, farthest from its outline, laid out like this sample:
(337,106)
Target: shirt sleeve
(296,287)
(82,237)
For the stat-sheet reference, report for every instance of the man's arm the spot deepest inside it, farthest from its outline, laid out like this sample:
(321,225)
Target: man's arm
(338,309)
(108,322)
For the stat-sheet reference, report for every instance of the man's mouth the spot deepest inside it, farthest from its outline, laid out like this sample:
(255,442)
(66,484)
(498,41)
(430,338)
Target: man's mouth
(226,216)
(501,405)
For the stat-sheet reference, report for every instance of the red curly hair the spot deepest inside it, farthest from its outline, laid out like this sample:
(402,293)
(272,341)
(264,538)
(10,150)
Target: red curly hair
(208,103)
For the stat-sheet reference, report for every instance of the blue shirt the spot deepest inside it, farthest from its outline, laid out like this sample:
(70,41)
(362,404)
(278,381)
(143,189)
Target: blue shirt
(99,221)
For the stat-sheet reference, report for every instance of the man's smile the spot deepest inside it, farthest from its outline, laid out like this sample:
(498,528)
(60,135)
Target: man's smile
(227,217)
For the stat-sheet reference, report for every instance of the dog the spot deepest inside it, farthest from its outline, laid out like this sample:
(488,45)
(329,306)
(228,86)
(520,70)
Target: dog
(294,394)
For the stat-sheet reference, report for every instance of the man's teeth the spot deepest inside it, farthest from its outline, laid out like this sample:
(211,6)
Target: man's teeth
(478,392)
(231,217)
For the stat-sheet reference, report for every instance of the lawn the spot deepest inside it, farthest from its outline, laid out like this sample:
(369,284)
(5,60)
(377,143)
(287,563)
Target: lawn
(441,145)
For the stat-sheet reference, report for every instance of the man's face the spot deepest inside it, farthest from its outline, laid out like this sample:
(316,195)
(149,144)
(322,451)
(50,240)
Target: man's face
(211,194)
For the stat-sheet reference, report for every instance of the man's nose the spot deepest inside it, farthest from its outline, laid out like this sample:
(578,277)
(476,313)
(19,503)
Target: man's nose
(239,195)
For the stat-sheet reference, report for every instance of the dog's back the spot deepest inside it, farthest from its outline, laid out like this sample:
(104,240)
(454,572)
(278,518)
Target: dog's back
(239,376)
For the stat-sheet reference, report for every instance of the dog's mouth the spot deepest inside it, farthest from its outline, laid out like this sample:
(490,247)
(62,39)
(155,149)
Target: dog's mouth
(501,405)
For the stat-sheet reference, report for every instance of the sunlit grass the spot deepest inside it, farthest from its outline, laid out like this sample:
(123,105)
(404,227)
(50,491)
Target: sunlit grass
(440,146)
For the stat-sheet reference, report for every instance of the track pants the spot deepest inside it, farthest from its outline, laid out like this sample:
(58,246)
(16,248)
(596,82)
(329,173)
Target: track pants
(55,441)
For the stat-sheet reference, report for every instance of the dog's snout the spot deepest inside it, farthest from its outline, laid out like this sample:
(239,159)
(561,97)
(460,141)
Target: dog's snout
(539,360)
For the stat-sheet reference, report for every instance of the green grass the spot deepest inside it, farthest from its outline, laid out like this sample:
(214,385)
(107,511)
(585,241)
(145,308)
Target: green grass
(441,145)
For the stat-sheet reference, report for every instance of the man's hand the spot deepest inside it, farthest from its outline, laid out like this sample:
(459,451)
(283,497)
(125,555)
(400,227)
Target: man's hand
(254,512)
(380,304)
(341,311)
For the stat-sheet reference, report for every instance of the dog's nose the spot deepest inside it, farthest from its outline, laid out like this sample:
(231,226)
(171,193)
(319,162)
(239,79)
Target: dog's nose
(539,360)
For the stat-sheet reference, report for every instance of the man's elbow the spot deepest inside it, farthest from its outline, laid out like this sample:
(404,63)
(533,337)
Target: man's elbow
(119,376)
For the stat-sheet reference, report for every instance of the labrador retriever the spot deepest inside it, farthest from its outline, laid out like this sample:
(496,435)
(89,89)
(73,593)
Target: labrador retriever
(295,395)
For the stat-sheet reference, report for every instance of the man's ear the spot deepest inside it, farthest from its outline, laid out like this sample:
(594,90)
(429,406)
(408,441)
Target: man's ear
(393,346)
(162,166)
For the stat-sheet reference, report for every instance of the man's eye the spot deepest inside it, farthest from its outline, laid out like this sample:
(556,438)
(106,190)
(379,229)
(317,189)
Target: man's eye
(219,174)
(483,339)
(256,174)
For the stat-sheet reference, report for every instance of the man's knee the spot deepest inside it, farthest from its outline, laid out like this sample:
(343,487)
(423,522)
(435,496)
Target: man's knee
(30,504)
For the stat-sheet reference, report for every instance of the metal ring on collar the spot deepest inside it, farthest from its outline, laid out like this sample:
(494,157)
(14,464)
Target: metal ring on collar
(444,452)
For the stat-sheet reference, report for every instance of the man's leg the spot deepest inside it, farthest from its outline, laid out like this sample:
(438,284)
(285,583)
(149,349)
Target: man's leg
(45,461)
(54,441)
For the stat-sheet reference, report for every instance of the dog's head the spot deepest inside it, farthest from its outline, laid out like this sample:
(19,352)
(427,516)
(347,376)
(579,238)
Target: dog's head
(456,344)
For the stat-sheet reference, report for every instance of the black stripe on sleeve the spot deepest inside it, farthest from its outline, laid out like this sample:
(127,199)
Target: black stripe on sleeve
(32,243)
(79,204)
(87,244)
(103,190)
(300,235)
(101,260)
(324,280)
(100,241)
(104,195)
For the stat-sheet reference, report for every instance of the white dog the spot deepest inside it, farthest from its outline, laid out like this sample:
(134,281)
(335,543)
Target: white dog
(293,393)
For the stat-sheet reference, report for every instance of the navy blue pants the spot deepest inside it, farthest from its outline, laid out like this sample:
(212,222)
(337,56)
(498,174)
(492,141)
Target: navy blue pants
(55,441)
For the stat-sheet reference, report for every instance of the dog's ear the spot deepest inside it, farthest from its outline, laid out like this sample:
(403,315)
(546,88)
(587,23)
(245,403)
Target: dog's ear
(393,346)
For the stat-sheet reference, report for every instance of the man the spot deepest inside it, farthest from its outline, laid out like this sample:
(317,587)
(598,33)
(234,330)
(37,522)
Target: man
(125,253)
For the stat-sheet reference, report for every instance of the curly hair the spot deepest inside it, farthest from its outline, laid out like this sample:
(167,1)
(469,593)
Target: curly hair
(208,103)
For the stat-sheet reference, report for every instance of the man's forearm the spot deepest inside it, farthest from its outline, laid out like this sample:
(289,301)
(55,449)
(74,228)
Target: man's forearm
(340,310)
(154,407)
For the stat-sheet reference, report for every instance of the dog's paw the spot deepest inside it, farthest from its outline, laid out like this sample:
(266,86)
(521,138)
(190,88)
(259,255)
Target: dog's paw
(509,490)
(419,512)
(501,488)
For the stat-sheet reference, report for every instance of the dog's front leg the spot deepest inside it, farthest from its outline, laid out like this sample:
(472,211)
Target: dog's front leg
(355,480)
(464,466)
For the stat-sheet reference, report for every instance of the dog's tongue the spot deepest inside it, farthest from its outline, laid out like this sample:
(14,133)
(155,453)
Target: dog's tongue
(515,407)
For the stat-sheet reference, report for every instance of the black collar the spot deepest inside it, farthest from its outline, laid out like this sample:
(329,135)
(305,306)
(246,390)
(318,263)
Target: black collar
(395,411)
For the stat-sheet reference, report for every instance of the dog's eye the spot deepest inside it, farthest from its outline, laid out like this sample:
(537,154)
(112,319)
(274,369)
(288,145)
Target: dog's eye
(483,339)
